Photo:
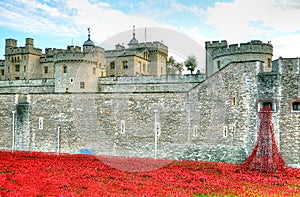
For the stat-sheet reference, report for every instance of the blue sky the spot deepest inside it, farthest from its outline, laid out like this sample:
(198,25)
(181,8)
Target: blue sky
(58,23)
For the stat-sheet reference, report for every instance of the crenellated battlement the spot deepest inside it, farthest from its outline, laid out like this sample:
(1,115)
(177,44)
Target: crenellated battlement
(150,45)
(216,44)
(12,49)
(68,56)
(118,53)
(73,48)
(53,51)
(23,50)
(254,46)
(155,44)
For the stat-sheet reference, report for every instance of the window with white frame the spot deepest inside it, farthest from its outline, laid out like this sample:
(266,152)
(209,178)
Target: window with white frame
(296,106)
(122,127)
(263,104)
(41,123)
(195,131)
(225,131)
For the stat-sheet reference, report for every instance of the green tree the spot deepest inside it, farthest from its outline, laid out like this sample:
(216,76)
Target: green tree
(174,67)
(191,63)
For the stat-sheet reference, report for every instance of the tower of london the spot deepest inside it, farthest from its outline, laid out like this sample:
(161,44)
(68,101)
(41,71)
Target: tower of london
(123,101)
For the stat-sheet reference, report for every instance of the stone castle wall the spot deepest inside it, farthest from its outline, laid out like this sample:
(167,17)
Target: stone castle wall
(281,86)
(214,119)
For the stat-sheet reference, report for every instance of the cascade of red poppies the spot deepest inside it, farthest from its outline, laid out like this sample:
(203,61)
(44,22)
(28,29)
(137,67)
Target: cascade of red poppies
(265,156)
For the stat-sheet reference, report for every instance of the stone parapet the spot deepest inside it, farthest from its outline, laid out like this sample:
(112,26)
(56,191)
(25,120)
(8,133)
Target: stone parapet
(27,86)
(244,48)
(23,50)
(154,79)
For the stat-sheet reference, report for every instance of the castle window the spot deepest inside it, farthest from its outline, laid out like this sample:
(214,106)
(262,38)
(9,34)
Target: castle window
(24,68)
(82,85)
(41,123)
(71,80)
(8,69)
(2,72)
(125,64)
(46,69)
(263,104)
(225,131)
(94,71)
(65,69)
(218,65)
(17,68)
(112,65)
(296,106)
(195,131)
(122,129)
(233,101)
(144,67)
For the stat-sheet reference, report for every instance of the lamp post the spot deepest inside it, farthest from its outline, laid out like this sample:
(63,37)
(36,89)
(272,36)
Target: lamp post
(155,133)
(13,131)
(58,140)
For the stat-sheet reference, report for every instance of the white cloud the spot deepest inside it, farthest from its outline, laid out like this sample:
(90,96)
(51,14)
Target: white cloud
(243,20)
(34,17)
(286,46)
(179,7)
(238,19)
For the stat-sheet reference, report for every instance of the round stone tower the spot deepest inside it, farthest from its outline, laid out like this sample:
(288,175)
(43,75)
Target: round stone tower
(220,55)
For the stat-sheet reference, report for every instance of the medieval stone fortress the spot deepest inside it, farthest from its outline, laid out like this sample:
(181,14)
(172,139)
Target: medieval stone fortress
(123,101)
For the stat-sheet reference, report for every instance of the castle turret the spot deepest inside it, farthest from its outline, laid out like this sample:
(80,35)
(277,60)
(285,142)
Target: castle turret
(210,47)
(218,55)
(29,42)
(10,43)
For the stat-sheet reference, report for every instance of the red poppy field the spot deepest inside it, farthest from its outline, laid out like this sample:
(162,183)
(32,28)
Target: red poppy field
(48,174)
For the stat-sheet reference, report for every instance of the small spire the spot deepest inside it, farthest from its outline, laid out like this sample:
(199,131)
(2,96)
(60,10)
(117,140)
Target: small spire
(89,33)
(133,31)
